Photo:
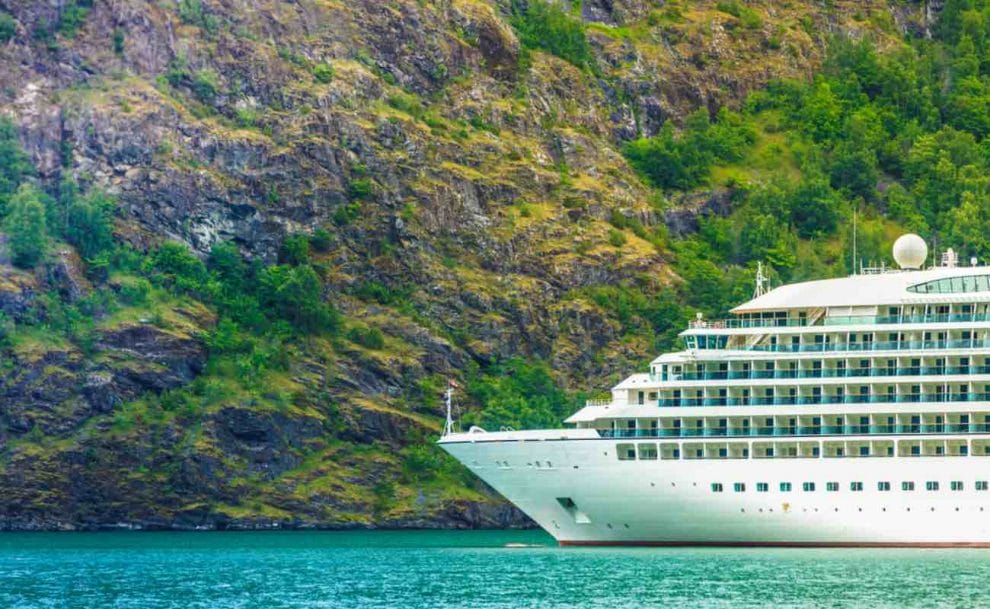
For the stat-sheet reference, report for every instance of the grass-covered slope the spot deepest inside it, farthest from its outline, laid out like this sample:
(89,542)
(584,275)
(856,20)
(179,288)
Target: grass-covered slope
(246,243)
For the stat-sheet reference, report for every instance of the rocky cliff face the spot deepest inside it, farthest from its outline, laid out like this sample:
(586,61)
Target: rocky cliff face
(447,160)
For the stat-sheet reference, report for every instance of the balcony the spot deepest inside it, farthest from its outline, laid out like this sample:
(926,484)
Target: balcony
(855,320)
(866,346)
(904,398)
(860,372)
(790,431)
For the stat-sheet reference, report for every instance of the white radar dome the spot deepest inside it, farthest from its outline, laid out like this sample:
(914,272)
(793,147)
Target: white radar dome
(910,251)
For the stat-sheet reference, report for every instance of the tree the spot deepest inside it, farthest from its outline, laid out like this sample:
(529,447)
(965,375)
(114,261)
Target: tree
(295,294)
(25,225)
(14,164)
(88,224)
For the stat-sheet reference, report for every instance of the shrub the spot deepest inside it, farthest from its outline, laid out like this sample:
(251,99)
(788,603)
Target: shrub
(295,294)
(321,240)
(616,238)
(14,163)
(178,266)
(360,188)
(323,72)
(206,84)
(371,338)
(294,250)
(88,224)
(545,26)
(25,225)
(8,27)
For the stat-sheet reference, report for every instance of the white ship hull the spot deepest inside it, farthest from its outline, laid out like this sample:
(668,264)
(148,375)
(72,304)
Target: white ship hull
(671,502)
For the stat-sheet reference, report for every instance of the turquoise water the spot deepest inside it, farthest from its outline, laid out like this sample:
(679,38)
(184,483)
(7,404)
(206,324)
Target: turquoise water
(464,569)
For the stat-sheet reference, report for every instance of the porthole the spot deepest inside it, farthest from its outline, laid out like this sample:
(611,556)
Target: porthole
(743,510)
(836,509)
(609,525)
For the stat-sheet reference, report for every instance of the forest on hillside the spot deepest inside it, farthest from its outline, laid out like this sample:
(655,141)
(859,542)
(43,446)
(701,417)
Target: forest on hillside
(894,134)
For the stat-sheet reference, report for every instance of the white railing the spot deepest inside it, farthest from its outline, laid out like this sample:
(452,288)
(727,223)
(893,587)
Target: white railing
(597,402)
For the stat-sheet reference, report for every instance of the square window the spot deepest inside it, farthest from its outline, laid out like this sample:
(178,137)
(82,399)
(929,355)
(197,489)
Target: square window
(762,487)
(931,485)
(981,485)
(808,487)
(855,486)
(739,487)
(956,485)
(716,487)
(785,487)
(883,486)
(831,486)
(907,486)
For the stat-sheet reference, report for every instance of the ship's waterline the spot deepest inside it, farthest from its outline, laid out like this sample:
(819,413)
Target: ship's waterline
(841,412)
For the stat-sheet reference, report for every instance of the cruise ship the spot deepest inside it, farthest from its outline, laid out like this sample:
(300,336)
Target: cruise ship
(841,412)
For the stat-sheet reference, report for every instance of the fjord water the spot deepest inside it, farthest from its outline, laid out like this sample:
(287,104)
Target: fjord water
(463,569)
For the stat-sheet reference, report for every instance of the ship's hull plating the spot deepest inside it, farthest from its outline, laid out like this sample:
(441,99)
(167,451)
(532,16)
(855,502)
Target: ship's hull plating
(582,495)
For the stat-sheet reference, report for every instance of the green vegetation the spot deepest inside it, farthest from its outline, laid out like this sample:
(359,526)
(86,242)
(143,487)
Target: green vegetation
(683,161)
(8,27)
(25,226)
(545,26)
(519,393)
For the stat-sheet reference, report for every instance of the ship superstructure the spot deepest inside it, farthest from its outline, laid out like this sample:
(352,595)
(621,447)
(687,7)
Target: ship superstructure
(849,411)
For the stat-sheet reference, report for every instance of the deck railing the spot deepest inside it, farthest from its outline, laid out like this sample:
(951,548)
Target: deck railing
(826,399)
(801,431)
(844,320)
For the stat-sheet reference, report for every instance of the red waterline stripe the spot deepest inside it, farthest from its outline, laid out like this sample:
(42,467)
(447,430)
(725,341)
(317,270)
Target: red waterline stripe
(783,544)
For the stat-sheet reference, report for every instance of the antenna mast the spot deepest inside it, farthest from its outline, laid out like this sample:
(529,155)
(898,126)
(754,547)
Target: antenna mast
(761,281)
(448,426)
(854,238)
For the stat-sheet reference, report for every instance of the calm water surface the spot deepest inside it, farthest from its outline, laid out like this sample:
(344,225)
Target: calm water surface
(464,569)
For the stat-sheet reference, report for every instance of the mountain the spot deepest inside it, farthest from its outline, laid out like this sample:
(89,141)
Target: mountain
(247,242)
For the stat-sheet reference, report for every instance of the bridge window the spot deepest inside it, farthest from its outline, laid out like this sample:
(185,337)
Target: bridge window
(953,285)
(981,485)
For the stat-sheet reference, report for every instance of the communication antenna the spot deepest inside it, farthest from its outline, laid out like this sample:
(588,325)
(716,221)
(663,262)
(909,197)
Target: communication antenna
(854,238)
(448,426)
(761,281)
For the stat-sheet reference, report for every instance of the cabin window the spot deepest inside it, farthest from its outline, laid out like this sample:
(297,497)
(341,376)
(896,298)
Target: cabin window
(831,486)
(907,486)
(956,485)
(716,487)
(762,487)
(785,487)
(931,485)
(625,452)
(739,487)
(883,486)
(981,485)
(855,486)
(809,487)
